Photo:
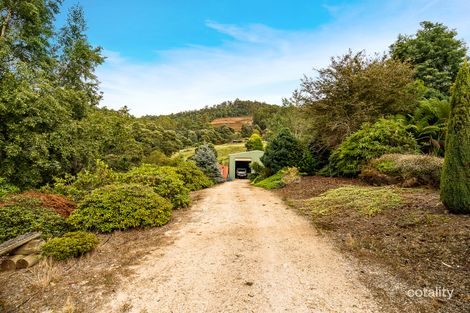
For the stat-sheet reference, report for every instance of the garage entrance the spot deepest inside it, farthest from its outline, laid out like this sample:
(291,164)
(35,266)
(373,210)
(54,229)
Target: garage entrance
(242,167)
(241,161)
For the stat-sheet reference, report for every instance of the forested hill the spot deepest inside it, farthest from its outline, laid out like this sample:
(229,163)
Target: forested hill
(200,119)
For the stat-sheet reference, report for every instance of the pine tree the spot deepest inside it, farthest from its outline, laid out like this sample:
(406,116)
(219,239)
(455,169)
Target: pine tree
(206,160)
(455,180)
(283,151)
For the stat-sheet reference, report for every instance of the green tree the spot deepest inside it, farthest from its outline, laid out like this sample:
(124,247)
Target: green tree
(78,60)
(254,143)
(26,28)
(284,150)
(206,160)
(435,52)
(455,182)
(355,89)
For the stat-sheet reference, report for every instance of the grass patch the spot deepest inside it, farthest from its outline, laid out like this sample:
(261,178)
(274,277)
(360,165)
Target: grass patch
(272,182)
(366,200)
(222,151)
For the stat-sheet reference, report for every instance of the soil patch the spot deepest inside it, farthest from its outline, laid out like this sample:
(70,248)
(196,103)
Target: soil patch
(415,246)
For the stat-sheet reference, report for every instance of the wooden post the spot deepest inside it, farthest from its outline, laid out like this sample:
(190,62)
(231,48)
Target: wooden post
(14,243)
(27,261)
(10,263)
(32,247)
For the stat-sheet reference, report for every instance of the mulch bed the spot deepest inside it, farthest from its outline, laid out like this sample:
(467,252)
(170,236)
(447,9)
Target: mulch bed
(416,246)
(57,203)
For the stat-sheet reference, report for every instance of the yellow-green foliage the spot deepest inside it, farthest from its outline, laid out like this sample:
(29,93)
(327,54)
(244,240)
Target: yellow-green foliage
(85,182)
(425,169)
(21,218)
(366,200)
(164,180)
(70,245)
(192,176)
(282,178)
(119,207)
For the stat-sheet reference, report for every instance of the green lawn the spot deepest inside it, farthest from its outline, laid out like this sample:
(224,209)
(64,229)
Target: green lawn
(222,150)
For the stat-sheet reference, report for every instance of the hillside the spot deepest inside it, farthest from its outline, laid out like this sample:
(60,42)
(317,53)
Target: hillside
(234,123)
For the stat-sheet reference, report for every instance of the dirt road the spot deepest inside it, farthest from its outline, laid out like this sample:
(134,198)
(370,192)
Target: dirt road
(243,251)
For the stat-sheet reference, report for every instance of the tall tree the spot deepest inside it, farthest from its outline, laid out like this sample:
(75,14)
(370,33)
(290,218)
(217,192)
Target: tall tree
(78,59)
(455,180)
(435,52)
(284,150)
(355,89)
(26,27)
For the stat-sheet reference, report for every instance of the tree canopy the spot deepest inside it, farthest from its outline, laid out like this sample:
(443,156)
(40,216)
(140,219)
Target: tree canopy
(435,52)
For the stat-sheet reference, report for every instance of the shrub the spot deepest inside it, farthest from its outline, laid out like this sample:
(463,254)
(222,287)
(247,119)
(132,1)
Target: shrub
(70,245)
(206,160)
(366,200)
(371,141)
(408,169)
(7,188)
(455,183)
(258,172)
(157,157)
(192,177)
(282,178)
(254,143)
(164,180)
(86,181)
(19,219)
(119,207)
(283,151)
(56,203)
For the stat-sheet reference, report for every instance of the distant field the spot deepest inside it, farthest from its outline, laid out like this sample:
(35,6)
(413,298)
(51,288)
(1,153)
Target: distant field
(233,122)
(222,150)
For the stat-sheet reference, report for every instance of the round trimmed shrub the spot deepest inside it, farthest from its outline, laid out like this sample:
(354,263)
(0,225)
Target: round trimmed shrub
(164,180)
(410,170)
(70,245)
(22,218)
(119,207)
(192,176)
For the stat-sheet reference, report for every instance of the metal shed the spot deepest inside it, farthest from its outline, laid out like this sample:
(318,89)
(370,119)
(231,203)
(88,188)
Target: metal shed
(242,159)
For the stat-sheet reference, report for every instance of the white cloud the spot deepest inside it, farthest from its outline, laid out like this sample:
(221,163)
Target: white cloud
(259,62)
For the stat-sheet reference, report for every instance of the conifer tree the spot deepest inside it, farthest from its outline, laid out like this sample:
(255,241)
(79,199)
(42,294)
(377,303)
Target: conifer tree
(455,180)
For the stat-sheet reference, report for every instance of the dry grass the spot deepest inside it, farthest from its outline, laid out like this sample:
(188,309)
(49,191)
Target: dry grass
(408,244)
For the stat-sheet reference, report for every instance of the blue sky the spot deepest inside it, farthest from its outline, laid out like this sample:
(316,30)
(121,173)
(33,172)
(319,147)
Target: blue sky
(170,56)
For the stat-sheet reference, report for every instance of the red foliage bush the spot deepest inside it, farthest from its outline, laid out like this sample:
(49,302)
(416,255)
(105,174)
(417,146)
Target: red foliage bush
(57,203)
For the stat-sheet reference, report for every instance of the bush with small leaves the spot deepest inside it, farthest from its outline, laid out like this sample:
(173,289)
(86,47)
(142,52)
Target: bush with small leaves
(192,176)
(86,181)
(70,245)
(120,207)
(371,141)
(25,217)
(7,188)
(164,180)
